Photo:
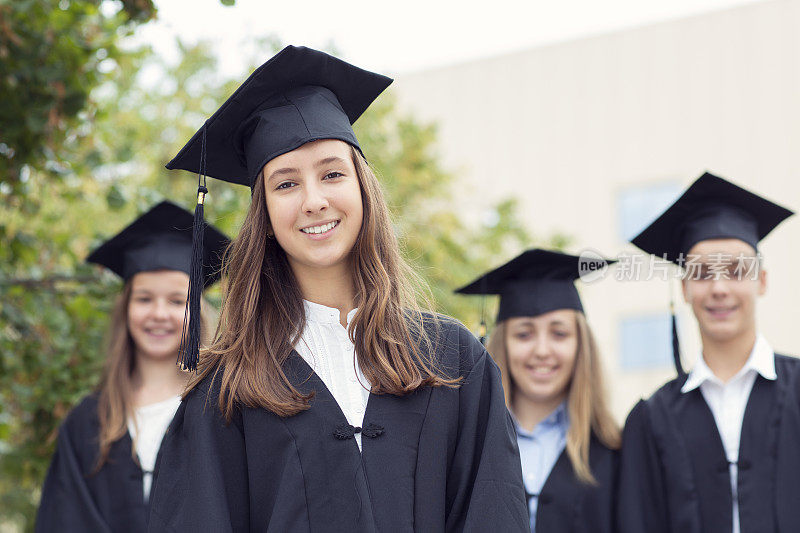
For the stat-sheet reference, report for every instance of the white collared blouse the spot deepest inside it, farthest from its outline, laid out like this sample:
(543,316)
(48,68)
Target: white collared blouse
(147,427)
(325,345)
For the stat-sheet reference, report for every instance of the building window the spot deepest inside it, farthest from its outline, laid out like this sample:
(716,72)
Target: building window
(640,204)
(646,342)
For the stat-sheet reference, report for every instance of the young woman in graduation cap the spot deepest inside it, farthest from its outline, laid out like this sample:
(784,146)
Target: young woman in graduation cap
(717,449)
(100,476)
(553,383)
(328,400)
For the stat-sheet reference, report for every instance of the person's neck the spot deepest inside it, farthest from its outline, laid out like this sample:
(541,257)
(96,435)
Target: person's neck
(725,358)
(530,414)
(331,287)
(155,380)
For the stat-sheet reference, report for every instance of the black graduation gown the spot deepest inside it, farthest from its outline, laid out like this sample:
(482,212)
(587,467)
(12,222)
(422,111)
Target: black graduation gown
(446,460)
(674,474)
(568,505)
(76,500)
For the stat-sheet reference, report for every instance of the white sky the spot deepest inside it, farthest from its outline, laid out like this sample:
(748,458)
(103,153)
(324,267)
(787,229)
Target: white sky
(394,37)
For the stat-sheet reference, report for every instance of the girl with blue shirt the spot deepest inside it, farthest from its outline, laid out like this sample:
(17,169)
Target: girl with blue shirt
(553,385)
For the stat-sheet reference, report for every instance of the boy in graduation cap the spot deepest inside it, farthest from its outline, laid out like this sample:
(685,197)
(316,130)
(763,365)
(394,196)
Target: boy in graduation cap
(553,384)
(717,450)
(100,476)
(329,401)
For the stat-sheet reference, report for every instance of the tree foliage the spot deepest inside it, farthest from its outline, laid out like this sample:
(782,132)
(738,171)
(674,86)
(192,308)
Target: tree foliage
(52,55)
(83,175)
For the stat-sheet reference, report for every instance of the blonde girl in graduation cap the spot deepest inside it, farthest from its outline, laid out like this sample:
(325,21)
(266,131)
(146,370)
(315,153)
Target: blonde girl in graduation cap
(328,401)
(101,474)
(554,387)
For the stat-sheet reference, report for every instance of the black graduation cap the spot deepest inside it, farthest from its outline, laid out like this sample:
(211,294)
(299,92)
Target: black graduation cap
(298,96)
(160,239)
(533,283)
(711,208)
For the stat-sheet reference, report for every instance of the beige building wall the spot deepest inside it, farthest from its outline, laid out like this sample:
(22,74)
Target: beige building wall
(570,128)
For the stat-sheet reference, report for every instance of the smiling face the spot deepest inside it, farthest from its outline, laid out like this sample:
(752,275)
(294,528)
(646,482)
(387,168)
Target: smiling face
(541,355)
(723,289)
(155,312)
(313,198)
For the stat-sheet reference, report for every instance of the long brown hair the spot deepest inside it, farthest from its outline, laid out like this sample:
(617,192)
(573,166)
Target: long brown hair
(586,397)
(262,314)
(114,405)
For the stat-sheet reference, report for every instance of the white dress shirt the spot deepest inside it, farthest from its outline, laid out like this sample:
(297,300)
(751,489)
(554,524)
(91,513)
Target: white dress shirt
(147,431)
(326,347)
(728,401)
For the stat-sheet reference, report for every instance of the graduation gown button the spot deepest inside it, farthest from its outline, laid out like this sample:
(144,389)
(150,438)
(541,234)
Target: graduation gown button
(372,430)
(346,431)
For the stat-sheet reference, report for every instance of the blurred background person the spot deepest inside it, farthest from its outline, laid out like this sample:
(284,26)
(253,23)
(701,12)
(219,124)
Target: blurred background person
(554,388)
(717,449)
(101,473)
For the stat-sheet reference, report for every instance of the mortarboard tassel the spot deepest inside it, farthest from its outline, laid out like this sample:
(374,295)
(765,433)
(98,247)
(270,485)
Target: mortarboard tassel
(190,340)
(676,347)
(482,328)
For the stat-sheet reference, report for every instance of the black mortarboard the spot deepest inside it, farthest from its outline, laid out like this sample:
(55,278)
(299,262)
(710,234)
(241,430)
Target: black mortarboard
(298,96)
(711,208)
(160,239)
(533,283)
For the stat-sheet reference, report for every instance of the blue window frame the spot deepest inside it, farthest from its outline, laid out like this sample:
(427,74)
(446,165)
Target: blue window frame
(646,342)
(638,205)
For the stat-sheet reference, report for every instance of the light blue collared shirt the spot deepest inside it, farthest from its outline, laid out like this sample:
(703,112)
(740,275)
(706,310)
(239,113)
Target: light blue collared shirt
(539,450)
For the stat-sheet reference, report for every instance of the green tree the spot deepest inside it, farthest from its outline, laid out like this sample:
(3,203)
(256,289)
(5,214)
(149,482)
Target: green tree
(52,55)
